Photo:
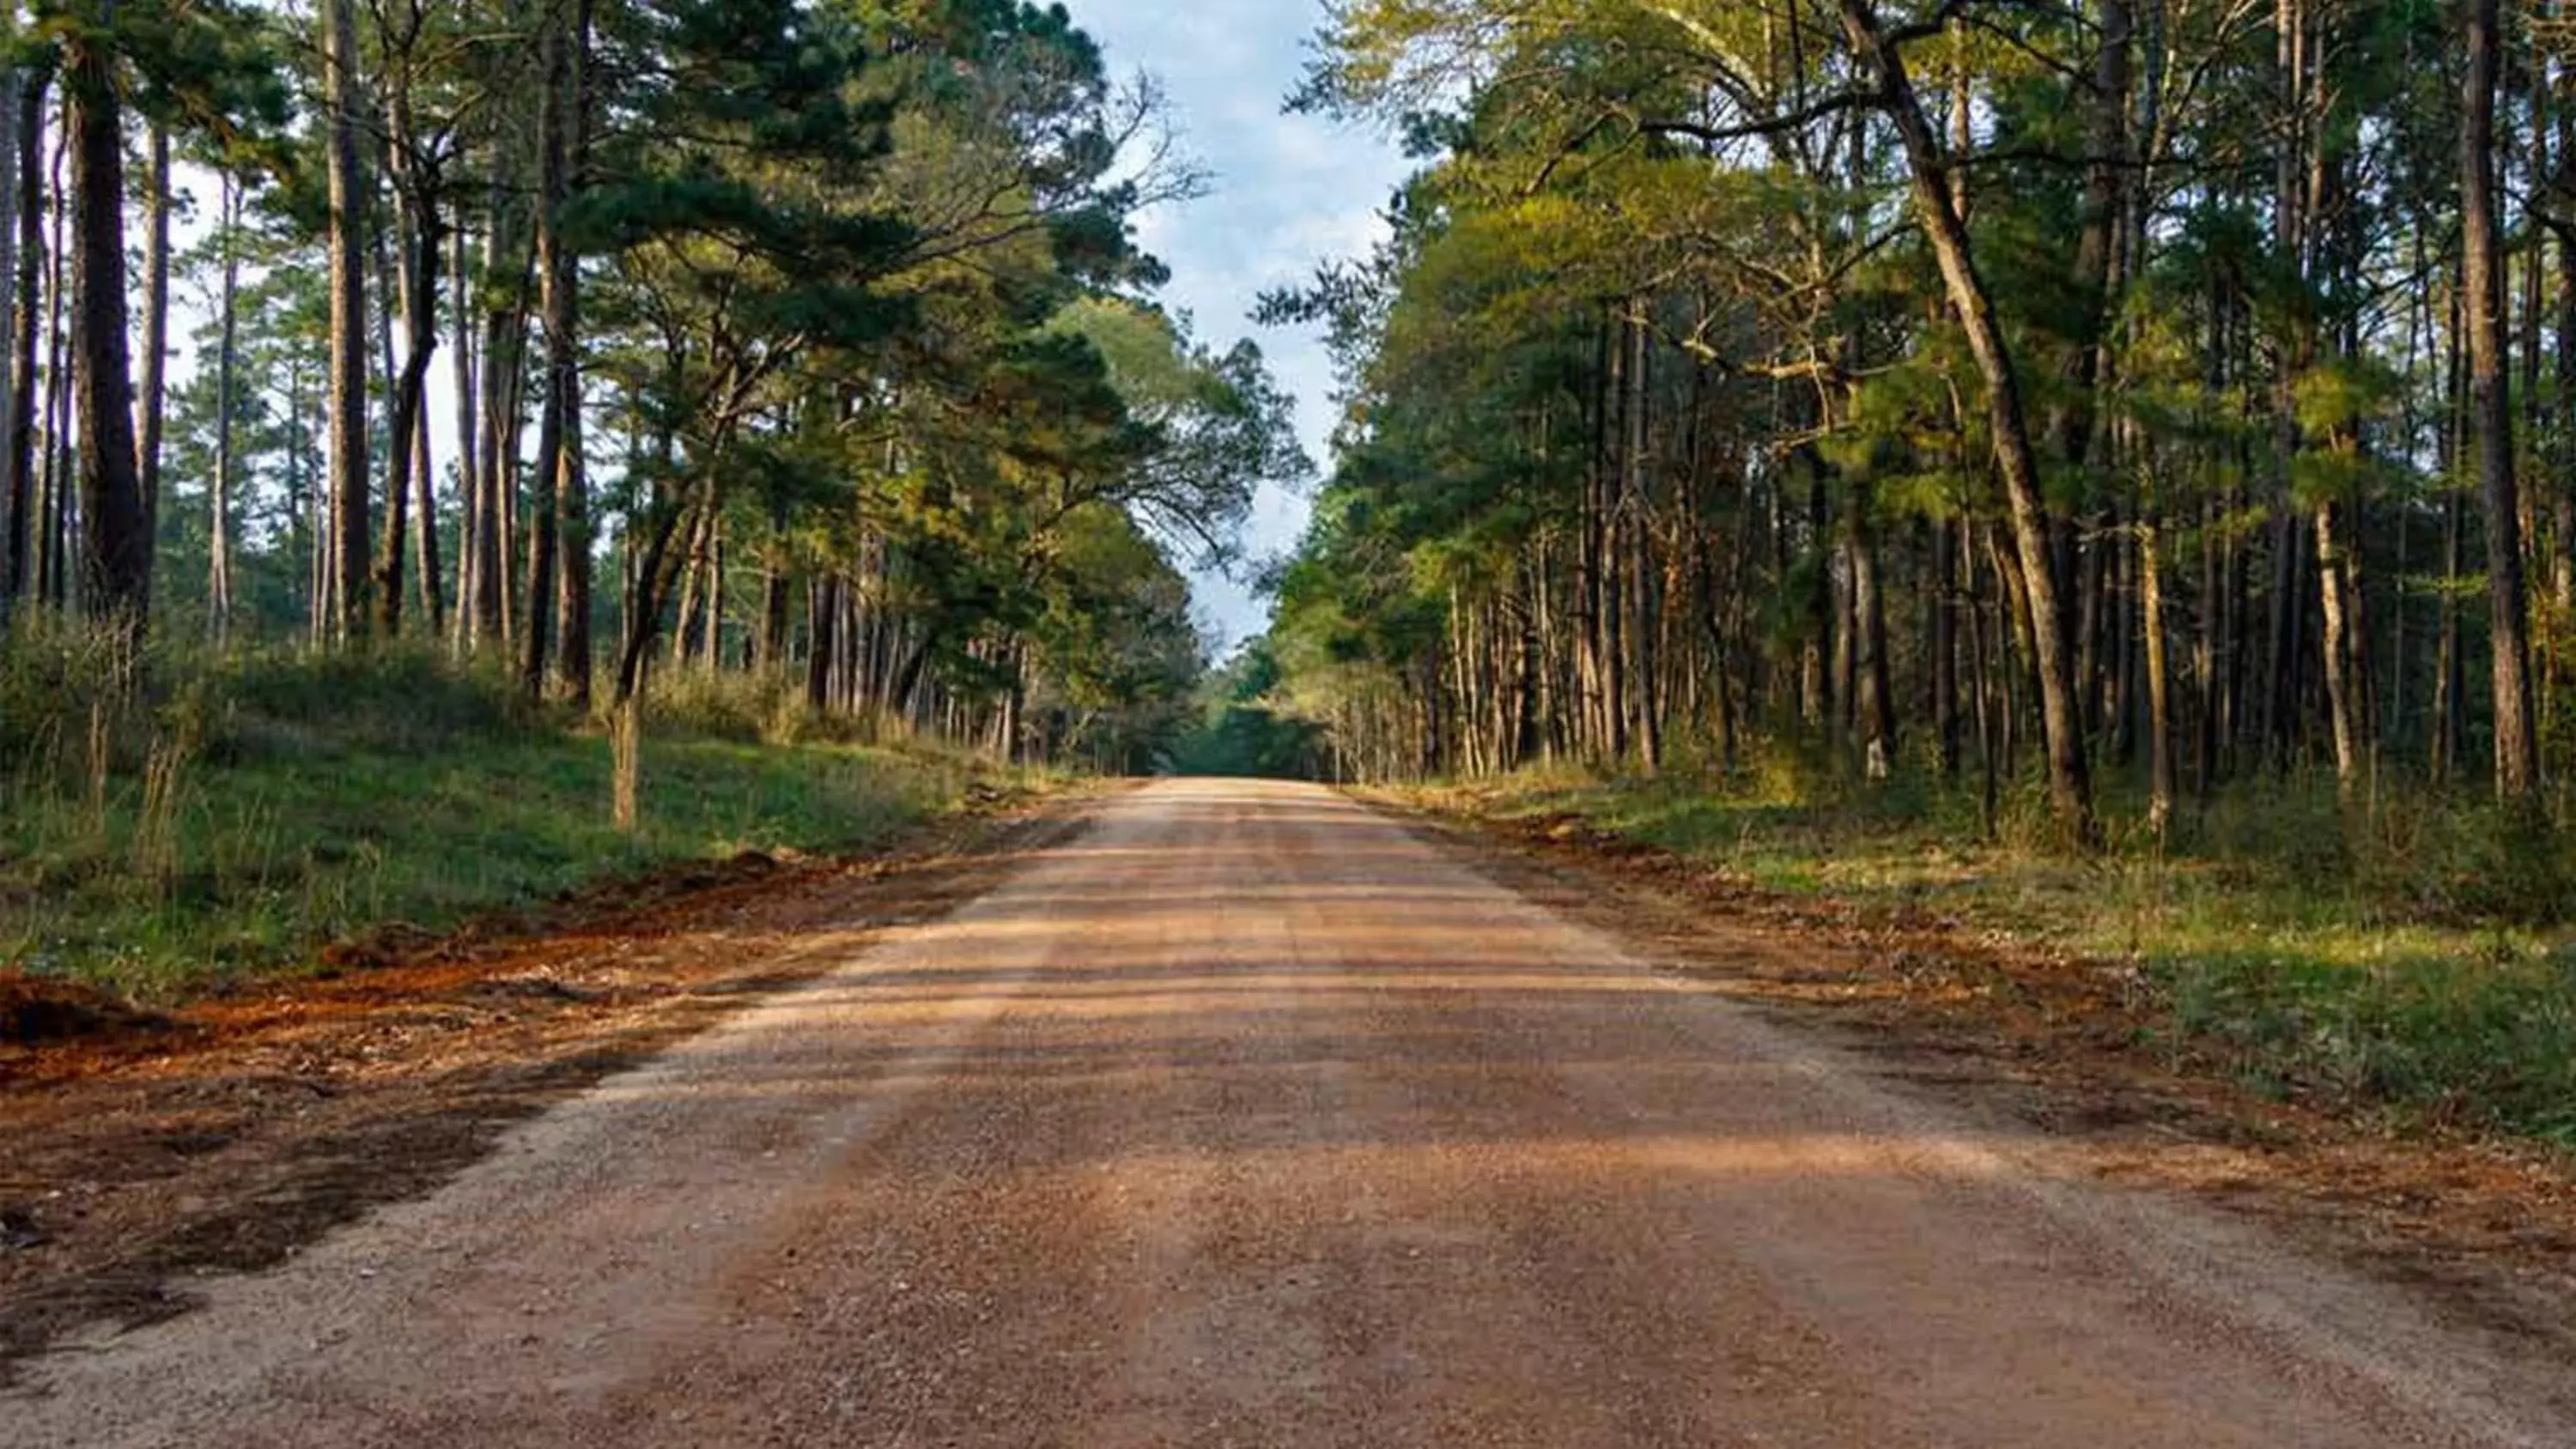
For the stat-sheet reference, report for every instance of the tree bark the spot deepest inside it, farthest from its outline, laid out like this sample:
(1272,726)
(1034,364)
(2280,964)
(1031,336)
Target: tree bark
(2563,496)
(2342,702)
(25,277)
(2160,751)
(348,283)
(405,385)
(152,401)
(1874,692)
(2070,782)
(2107,141)
(544,516)
(116,550)
(420,236)
(427,556)
(2517,746)
(654,575)
(219,549)
(1944,605)
(469,486)
(560,299)
(53,508)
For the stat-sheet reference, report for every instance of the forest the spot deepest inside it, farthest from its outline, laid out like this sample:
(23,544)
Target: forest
(2144,397)
(773,333)
(408,377)
(2096,477)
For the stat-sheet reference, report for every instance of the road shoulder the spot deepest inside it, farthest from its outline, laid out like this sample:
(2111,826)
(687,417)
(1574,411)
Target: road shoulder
(2481,1231)
(228,1136)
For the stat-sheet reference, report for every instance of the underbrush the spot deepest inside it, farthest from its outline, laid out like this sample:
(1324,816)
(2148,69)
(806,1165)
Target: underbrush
(764,708)
(175,820)
(2411,953)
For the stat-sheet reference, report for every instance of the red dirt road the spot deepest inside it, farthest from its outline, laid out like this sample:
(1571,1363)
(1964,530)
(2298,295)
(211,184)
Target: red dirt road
(1247,1117)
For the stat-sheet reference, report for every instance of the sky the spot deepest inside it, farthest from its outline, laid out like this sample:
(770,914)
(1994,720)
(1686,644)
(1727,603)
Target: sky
(1288,193)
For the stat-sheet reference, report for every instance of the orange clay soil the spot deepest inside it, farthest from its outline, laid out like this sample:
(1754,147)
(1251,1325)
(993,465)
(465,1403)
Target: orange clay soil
(139,1148)
(146,1152)
(1249,1116)
(2071,1046)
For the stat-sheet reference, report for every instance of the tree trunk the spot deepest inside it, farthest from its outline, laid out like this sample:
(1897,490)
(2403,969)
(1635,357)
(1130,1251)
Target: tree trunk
(1817,678)
(503,356)
(2070,783)
(13,84)
(2563,496)
(654,575)
(2343,707)
(348,202)
(2160,752)
(560,282)
(419,235)
(152,400)
(537,640)
(469,488)
(414,284)
(2450,667)
(1944,605)
(116,552)
(2517,747)
(24,280)
(1874,692)
(426,552)
(53,507)
(2097,238)
(770,655)
(219,527)
(821,614)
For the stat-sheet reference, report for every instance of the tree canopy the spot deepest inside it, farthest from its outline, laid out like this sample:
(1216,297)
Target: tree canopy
(818,326)
(2171,388)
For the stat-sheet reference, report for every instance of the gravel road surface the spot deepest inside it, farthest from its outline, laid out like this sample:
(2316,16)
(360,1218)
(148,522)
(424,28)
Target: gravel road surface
(1248,1117)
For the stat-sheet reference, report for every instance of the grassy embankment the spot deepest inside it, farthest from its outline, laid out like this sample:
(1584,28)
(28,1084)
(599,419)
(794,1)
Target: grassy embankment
(2414,961)
(232,815)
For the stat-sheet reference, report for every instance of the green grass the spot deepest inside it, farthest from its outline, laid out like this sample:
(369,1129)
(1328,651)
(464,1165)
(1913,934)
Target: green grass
(229,817)
(2414,960)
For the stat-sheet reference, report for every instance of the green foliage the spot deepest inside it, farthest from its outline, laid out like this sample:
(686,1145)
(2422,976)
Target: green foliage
(859,301)
(760,708)
(247,809)
(1239,733)
(2484,1039)
(2426,971)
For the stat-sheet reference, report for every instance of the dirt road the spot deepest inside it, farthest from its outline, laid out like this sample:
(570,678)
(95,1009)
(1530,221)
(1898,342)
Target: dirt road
(1249,1118)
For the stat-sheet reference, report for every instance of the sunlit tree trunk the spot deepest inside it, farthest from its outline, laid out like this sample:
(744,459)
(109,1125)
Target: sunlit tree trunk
(53,505)
(152,392)
(219,530)
(420,238)
(2342,692)
(348,384)
(2070,782)
(560,299)
(23,219)
(2160,750)
(554,66)
(469,485)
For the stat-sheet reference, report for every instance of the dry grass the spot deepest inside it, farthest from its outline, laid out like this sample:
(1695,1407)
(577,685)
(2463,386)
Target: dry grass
(181,820)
